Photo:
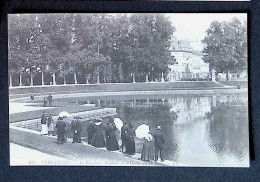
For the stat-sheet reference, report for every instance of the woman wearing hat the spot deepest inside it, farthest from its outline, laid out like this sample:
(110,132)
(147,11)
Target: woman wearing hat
(98,138)
(112,143)
(147,151)
(130,140)
(44,130)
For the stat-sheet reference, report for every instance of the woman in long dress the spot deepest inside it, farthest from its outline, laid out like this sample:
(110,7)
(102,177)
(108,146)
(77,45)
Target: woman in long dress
(112,143)
(98,138)
(50,125)
(147,151)
(90,131)
(130,141)
(44,130)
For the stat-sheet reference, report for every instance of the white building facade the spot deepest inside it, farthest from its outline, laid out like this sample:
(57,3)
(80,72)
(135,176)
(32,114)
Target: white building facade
(189,64)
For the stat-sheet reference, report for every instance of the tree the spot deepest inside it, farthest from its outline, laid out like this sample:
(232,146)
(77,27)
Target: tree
(226,46)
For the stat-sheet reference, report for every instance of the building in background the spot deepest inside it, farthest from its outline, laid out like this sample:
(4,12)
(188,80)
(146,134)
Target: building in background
(189,64)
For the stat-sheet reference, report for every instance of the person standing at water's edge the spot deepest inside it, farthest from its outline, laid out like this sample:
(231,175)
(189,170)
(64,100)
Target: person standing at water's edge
(112,143)
(76,128)
(124,130)
(44,130)
(61,126)
(130,141)
(98,138)
(90,131)
(147,151)
(158,141)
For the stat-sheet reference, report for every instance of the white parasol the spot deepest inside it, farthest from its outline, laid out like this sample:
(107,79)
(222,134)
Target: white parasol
(119,123)
(142,131)
(64,114)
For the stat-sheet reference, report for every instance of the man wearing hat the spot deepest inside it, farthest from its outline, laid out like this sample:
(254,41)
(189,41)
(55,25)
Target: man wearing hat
(158,141)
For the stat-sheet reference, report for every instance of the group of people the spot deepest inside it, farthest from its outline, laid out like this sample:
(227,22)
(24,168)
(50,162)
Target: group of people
(100,136)
(47,124)
(46,100)
(151,142)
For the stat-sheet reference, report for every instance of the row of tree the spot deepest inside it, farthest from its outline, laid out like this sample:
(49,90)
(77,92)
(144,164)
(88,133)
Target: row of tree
(226,46)
(92,47)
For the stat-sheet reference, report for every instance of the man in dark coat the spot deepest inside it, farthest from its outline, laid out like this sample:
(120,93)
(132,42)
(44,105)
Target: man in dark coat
(61,126)
(124,130)
(90,131)
(158,141)
(73,129)
(77,131)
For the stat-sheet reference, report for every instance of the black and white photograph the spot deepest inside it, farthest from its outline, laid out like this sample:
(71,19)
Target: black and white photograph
(128,89)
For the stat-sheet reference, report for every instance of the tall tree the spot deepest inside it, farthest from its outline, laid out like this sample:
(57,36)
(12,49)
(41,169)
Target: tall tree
(226,46)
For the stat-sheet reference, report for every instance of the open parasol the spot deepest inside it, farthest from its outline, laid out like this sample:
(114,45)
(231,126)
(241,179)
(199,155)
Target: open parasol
(64,114)
(142,131)
(119,123)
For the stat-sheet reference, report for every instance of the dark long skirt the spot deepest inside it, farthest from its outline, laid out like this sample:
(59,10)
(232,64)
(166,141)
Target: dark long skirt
(147,151)
(77,137)
(112,143)
(98,138)
(130,145)
(90,137)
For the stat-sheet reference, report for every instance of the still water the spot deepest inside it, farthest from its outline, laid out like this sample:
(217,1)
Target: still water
(200,130)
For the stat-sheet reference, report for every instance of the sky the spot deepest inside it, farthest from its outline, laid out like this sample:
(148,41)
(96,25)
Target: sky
(192,26)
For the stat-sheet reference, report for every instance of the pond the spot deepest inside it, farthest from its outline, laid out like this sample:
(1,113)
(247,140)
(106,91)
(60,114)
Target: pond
(200,130)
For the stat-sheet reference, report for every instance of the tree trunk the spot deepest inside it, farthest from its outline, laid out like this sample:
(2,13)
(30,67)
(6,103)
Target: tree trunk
(133,77)
(64,80)
(227,76)
(87,82)
(75,79)
(31,83)
(11,81)
(98,82)
(42,79)
(21,80)
(53,79)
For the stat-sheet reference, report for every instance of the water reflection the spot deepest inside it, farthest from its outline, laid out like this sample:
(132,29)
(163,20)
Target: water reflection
(199,130)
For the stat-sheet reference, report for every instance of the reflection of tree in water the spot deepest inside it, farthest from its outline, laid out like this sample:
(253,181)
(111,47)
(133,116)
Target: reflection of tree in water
(228,131)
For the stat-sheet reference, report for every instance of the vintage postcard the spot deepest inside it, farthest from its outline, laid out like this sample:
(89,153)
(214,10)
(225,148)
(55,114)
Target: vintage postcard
(134,89)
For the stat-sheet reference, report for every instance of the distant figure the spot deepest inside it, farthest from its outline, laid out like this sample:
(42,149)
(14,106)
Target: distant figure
(147,151)
(32,97)
(90,131)
(50,125)
(238,86)
(76,128)
(98,138)
(124,130)
(112,143)
(44,130)
(158,142)
(50,99)
(61,126)
(44,101)
(130,141)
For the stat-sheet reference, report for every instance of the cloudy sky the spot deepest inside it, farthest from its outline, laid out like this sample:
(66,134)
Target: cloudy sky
(193,25)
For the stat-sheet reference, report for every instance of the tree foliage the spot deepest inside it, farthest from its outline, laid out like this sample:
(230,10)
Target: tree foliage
(226,46)
(110,46)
